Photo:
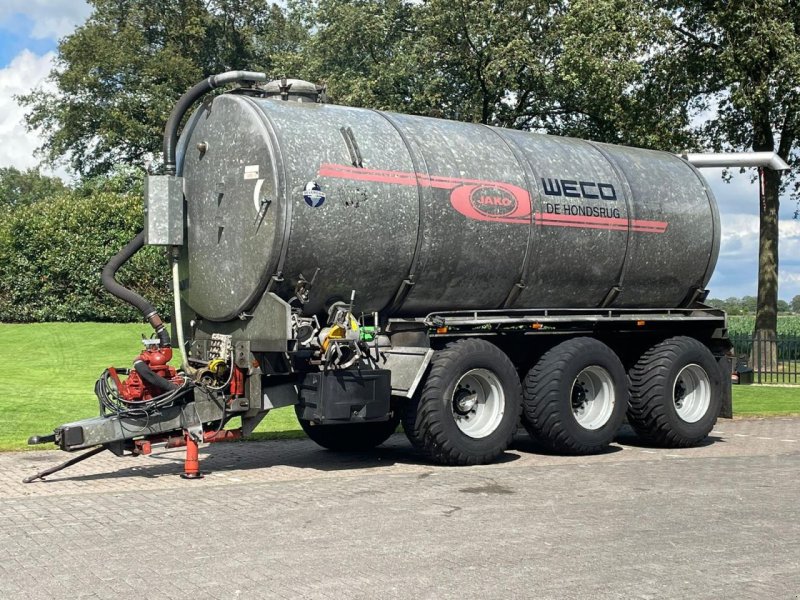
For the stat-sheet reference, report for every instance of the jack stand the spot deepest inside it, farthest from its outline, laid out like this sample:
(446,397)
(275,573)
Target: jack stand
(191,467)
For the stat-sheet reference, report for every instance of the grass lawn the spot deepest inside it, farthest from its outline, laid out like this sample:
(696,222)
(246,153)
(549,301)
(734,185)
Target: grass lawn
(765,400)
(48,370)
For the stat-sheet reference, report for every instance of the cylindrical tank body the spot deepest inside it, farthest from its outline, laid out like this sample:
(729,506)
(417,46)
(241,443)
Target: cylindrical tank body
(418,214)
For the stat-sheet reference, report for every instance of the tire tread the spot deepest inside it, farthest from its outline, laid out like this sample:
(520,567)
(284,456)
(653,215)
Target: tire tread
(649,378)
(543,397)
(422,417)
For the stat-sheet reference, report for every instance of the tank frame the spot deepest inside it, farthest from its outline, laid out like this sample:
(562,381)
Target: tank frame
(624,330)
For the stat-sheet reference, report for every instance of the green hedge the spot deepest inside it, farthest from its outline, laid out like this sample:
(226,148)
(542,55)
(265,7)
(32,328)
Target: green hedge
(52,253)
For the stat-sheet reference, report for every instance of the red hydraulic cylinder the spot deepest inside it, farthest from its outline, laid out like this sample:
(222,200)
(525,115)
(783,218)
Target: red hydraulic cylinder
(191,466)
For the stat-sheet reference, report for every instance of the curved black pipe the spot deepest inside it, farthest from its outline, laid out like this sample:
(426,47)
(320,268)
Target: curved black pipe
(153,378)
(176,116)
(185,103)
(129,296)
(170,143)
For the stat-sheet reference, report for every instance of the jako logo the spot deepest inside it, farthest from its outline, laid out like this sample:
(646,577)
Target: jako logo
(498,202)
(492,201)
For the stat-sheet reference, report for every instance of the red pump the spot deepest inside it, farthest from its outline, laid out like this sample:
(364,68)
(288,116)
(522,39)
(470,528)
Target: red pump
(135,388)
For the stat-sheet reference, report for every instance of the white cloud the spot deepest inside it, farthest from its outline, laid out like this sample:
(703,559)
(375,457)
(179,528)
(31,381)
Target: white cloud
(51,18)
(739,236)
(740,231)
(790,278)
(17,145)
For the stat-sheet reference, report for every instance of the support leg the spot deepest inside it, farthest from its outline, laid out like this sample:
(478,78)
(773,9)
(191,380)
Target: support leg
(191,467)
(64,465)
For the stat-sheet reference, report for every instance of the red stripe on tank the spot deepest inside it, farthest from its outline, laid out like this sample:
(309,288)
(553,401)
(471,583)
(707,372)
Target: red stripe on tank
(521,195)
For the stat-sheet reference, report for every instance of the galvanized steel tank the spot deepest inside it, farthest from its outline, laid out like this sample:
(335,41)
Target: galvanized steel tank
(419,214)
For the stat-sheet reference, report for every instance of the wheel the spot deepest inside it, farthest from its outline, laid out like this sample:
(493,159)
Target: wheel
(575,397)
(350,437)
(469,406)
(676,393)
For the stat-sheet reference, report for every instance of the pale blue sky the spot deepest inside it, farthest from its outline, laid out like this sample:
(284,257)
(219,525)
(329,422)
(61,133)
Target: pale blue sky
(29,30)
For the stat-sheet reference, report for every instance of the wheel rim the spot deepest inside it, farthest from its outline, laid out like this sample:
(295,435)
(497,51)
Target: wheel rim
(478,403)
(692,393)
(593,397)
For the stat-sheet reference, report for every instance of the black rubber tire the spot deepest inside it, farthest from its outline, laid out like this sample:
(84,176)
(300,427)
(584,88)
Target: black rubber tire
(652,412)
(350,437)
(428,418)
(547,397)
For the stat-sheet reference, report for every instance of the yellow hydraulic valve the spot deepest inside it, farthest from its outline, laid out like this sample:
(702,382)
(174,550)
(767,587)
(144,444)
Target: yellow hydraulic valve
(339,332)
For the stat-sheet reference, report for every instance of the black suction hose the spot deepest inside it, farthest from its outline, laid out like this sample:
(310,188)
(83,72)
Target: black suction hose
(185,103)
(170,144)
(129,296)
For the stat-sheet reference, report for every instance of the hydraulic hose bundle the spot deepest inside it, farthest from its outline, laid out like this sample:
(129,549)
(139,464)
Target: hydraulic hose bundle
(113,403)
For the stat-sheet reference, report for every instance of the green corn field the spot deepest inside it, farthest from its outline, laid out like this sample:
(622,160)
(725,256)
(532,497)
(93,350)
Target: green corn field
(742,325)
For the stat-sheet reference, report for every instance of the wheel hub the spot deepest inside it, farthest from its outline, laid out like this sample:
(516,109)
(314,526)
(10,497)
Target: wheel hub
(464,401)
(593,397)
(478,403)
(680,393)
(579,397)
(691,393)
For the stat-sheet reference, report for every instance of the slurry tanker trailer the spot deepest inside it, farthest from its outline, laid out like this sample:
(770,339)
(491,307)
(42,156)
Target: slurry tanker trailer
(372,268)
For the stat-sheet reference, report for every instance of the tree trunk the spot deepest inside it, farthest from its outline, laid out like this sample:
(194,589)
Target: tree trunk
(767,310)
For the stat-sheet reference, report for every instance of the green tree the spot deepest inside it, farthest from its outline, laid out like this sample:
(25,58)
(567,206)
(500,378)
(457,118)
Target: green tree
(749,304)
(121,179)
(18,188)
(783,306)
(734,306)
(616,79)
(118,75)
(364,51)
(746,57)
(796,304)
(580,69)
(487,59)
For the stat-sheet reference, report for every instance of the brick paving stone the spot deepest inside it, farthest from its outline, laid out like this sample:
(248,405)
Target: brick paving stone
(285,519)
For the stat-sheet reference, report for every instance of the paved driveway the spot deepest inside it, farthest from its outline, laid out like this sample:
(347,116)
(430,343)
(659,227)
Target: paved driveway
(286,519)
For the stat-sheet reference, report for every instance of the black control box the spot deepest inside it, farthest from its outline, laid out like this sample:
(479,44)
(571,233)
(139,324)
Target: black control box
(346,396)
